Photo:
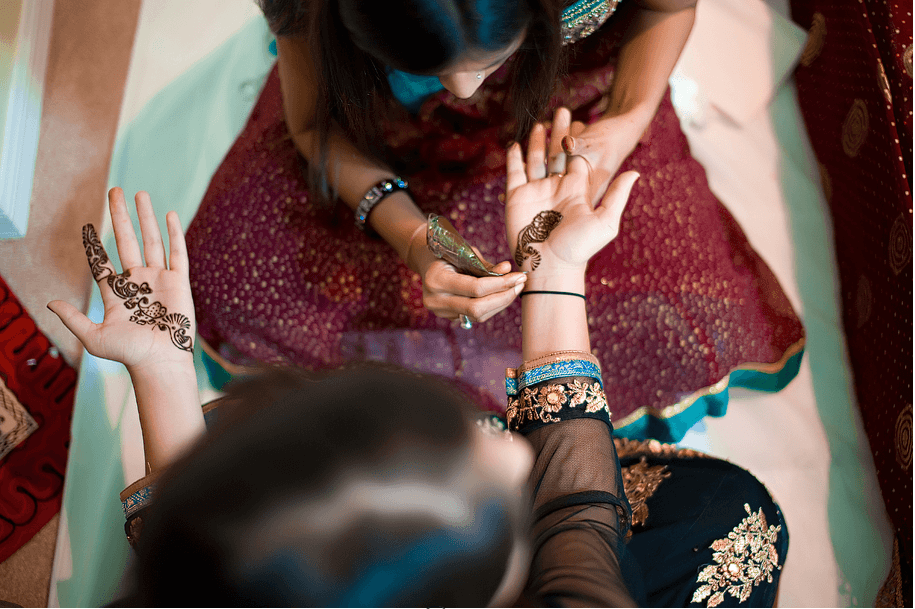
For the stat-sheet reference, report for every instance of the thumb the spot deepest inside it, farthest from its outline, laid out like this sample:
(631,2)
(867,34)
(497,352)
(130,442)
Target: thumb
(571,145)
(614,202)
(81,326)
(580,144)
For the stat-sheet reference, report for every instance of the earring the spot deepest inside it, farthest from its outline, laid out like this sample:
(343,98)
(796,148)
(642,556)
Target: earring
(479,76)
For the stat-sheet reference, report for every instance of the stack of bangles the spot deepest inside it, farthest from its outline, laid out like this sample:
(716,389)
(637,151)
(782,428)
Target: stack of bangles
(555,387)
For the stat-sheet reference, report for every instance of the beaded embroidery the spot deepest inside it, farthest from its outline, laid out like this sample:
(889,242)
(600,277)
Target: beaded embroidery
(626,447)
(541,405)
(742,560)
(640,482)
(584,18)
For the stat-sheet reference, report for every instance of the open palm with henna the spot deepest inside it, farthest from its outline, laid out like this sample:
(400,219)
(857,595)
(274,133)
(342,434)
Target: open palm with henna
(149,311)
(553,227)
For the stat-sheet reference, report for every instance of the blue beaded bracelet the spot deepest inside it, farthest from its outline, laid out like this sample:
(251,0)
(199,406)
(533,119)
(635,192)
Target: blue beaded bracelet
(374,196)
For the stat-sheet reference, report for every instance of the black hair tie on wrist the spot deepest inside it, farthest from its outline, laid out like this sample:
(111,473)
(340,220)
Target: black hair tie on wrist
(582,296)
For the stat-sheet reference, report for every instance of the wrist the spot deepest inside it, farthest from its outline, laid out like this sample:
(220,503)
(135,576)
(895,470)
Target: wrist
(180,365)
(571,279)
(398,220)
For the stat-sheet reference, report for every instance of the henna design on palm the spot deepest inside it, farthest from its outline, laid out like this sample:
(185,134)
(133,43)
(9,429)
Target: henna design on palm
(536,232)
(95,252)
(136,296)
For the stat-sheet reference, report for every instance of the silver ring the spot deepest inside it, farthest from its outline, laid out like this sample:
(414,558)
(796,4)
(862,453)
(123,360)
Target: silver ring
(466,323)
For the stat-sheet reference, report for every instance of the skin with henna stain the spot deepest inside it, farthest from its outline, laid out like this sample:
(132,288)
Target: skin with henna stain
(536,232)
(135,296)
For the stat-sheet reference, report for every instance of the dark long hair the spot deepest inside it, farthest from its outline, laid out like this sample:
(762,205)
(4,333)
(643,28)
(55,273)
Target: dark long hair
(252,515)
(353,42)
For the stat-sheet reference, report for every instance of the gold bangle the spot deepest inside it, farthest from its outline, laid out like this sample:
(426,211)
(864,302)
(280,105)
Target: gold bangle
(557,356)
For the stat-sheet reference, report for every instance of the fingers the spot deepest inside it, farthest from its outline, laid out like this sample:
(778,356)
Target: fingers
(578,165)
(177,255)
(449,294)
(452,306)
(514,166)
(153,247)
(577,162)
(481,309)
(562,121)
(124,236)
(80,325)
(614,202)
(502,268)
(536,153)
(442,278)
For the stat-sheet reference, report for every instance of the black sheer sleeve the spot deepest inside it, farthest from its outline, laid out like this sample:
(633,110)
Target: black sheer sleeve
(581,514)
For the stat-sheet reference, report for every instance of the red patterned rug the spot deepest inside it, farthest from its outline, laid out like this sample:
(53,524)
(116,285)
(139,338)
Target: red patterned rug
(37,388)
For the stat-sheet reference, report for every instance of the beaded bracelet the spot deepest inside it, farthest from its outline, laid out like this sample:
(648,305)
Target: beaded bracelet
(374,196)
(515,381)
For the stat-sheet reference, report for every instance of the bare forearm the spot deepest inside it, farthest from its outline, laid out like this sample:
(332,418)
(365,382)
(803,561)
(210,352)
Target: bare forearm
(652,45)
(553,322)
(350,172)
(170,414)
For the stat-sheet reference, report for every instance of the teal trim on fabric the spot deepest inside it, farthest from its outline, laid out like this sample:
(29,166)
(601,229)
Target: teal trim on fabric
(672,429)
(219,377)
(411,90)
(271,48)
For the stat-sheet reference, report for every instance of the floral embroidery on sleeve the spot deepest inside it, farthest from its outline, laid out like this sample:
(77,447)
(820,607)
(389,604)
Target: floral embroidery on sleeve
(745,558)
(541,405)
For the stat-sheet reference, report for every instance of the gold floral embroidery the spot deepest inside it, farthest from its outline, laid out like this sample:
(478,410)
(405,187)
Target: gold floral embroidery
(640,481)
(743,560)
(628,448)
(542,404)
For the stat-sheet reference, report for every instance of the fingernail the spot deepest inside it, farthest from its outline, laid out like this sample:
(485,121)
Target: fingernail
(568,144)
(520,280)
(518,289)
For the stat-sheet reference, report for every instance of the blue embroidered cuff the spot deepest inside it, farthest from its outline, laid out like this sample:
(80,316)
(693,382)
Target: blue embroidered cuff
(557,370)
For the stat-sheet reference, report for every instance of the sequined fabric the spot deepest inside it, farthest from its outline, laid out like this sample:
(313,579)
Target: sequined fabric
(854,88)
(585,17)
(675,303)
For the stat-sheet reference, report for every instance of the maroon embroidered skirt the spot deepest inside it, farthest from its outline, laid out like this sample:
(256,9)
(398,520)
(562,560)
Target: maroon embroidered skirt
(680,306)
